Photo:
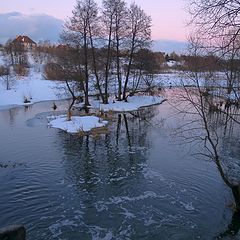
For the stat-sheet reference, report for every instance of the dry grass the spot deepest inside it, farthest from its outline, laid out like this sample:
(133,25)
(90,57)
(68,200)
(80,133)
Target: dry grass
(95,132)
(21,70)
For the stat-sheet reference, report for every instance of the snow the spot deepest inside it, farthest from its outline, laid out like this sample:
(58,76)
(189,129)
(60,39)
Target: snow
(1,59)
(132,104)
(33,87)
(77,124)
(171,63)
(87,123)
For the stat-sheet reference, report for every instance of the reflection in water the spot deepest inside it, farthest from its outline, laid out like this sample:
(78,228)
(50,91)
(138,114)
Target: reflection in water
(213,128)
(108,174)
(101,156)
(227,140)
(11,115)
(233,227)
(131,183)
(27,108)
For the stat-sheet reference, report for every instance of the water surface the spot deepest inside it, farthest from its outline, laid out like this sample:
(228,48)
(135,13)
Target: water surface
(135,182)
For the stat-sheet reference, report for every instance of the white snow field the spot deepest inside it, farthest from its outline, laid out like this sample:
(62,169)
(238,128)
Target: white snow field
(34,88)
(132,104)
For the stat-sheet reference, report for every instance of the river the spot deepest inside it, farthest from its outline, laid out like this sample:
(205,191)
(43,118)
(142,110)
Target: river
(137,181)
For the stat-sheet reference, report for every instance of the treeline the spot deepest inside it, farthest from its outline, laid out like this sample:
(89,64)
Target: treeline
(15,59)
(101,43)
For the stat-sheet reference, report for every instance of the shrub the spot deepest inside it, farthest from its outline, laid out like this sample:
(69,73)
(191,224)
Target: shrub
(4,71)
(53,71)
(21,70)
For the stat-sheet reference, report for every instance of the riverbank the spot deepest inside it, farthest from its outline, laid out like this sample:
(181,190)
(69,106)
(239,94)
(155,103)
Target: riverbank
(29,90)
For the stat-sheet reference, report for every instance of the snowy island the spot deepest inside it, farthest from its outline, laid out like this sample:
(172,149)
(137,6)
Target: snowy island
(77,123)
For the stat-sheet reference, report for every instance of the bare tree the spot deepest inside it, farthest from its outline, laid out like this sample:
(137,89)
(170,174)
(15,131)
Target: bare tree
(145,67)
(107,43)
(230,62)
(128,30)
(203,127)
(108,17)
(6,71)
(216,19)
(120,30)
(218,26)
(67,67)
(8,49)
(6,76)
(139,36)
(78,32)
(18,55)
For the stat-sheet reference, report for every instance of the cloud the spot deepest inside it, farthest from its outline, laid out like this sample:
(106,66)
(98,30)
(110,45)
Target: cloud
(169,46)
(45,27)
(38,27)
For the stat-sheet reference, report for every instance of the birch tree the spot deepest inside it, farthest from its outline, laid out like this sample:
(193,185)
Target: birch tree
(78,32)
(139,36)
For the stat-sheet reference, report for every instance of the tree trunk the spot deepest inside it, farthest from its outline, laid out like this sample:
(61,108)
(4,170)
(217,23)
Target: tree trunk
(118,72)
(107,68)
(69,112)
(127,130)
(129,68)
(15,232)
(86,70)
(233,227)
(118,128)
(95,65)
(8,84)
(236,195)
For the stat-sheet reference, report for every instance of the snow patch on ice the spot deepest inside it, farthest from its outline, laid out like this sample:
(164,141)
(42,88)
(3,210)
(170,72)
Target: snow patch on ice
(77,124)
(132,104)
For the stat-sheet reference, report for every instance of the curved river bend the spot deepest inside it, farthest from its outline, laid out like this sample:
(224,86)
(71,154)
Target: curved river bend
(135,182)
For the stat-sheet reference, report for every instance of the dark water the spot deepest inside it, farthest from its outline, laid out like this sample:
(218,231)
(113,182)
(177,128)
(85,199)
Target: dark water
(135,182)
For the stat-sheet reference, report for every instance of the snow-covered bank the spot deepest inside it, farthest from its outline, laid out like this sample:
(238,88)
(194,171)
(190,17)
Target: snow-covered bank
(33,88)
(77,124)
(132,104)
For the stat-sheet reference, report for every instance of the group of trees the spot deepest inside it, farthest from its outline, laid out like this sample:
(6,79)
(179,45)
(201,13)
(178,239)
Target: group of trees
(217,33)
(15,62)
(104,45)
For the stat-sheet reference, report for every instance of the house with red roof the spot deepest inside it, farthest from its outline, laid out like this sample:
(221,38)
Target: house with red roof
(24,41)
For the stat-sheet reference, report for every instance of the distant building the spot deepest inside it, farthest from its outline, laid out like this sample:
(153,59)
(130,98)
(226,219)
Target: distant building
(24,41)
(63,46)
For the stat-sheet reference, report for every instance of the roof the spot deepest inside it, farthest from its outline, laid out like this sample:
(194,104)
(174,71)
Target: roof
(23,39)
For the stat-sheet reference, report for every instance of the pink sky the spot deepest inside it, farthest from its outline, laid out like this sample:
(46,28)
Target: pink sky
(169,17)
